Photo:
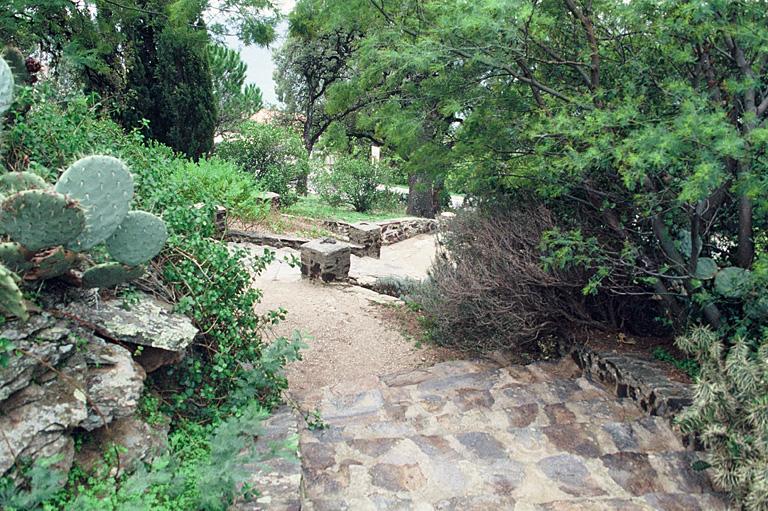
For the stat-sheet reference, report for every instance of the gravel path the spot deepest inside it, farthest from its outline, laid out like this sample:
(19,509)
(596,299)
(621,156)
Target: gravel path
(348,340)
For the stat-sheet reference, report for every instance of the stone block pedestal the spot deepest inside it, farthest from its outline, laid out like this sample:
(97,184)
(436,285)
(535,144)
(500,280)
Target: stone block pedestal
(368,236)
(326,259)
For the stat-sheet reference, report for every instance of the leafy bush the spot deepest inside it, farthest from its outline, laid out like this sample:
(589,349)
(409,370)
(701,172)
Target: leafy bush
(489,290)
(275,155)
(730,413)
(351,181)
(215,181)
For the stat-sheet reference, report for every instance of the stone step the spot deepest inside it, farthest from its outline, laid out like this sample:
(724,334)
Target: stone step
(444,471)
(472,435)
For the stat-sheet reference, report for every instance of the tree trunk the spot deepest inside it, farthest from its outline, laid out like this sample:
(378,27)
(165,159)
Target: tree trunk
(422,196)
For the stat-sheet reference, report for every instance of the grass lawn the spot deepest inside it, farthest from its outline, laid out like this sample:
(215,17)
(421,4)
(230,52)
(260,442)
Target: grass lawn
(312,206)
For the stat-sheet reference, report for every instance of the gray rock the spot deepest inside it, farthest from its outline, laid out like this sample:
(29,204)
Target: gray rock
(114,383)
(137,442)
(47,338)
(149,322)
(34,420)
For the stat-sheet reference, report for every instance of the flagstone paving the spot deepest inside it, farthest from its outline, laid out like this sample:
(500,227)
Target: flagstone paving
(469,435)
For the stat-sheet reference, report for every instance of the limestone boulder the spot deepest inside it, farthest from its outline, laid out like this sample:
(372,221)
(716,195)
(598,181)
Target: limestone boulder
(148,322)
(44,336)
(114,383)
(34,421)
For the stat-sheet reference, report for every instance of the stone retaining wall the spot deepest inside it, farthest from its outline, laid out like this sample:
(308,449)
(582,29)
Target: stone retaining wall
(641,380)
(392,231)
(270,240)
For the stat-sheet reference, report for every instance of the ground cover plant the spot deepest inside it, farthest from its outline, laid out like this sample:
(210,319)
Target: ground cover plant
(229,380)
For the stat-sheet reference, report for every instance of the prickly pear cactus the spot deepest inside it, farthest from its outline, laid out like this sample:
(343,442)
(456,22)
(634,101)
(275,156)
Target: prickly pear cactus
(6,87)
(51,263)
(733,282)
(13,182)
(706,268)
(104,188)
(11,300)
(138,239)
(15,61)
(15,257)
(110,275)
(41,219)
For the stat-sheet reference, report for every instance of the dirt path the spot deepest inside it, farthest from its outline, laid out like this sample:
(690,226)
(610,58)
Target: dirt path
(349,338)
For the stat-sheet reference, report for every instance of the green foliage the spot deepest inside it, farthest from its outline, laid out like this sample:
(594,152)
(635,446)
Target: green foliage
(216,181)
(274,154)
(43,483)
(687,365)
(98,196)
(184,110)
(235,101)
(313,206)
(729,412)
(352,181)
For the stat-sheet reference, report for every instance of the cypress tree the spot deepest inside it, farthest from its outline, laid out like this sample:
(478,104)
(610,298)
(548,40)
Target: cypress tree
(184,111)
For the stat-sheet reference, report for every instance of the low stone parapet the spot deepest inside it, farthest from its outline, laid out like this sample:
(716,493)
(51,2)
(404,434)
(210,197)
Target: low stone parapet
(400,229)
(326,259)
(270,240)
(368,236)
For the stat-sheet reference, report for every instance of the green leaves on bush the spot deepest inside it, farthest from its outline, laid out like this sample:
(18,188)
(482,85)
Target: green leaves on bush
(275,155)
(351,181)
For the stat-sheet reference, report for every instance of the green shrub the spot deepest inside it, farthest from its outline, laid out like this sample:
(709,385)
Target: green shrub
(275,155)
(730,413)
(351,181)
(215,181)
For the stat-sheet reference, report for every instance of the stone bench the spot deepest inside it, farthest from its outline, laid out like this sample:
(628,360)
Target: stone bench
(326,259)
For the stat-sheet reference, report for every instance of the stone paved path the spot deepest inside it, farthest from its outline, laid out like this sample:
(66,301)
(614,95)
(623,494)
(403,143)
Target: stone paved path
(472,436)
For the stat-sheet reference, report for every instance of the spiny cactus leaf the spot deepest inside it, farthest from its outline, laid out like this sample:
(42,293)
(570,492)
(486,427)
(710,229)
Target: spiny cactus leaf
(15,61)
(705,268)
(733,282)
(15,257)
(41,219)
(11,300)
(104,187)
(110,275)
(13,182)
(6,87)
(51,263)
(138,239)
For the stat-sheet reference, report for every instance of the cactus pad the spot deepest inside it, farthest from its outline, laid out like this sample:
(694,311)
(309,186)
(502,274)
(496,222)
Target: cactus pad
(52,263)
(13,182)
(110,275)
(104,187)
(733,282)
(40,219)
(15,257)
(138,239)
(16,62)
(6,87)
(705,268)
(11,300)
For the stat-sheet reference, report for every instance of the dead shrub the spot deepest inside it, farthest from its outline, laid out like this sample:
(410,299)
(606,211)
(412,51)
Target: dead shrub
(488,290)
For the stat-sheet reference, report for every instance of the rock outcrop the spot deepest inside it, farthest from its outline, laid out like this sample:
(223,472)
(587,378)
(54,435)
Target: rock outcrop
(66,372)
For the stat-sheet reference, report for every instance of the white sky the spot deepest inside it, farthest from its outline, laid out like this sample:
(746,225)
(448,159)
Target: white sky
(259,60)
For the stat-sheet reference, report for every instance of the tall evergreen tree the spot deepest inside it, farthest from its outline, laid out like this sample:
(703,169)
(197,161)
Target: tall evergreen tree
(184,114)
